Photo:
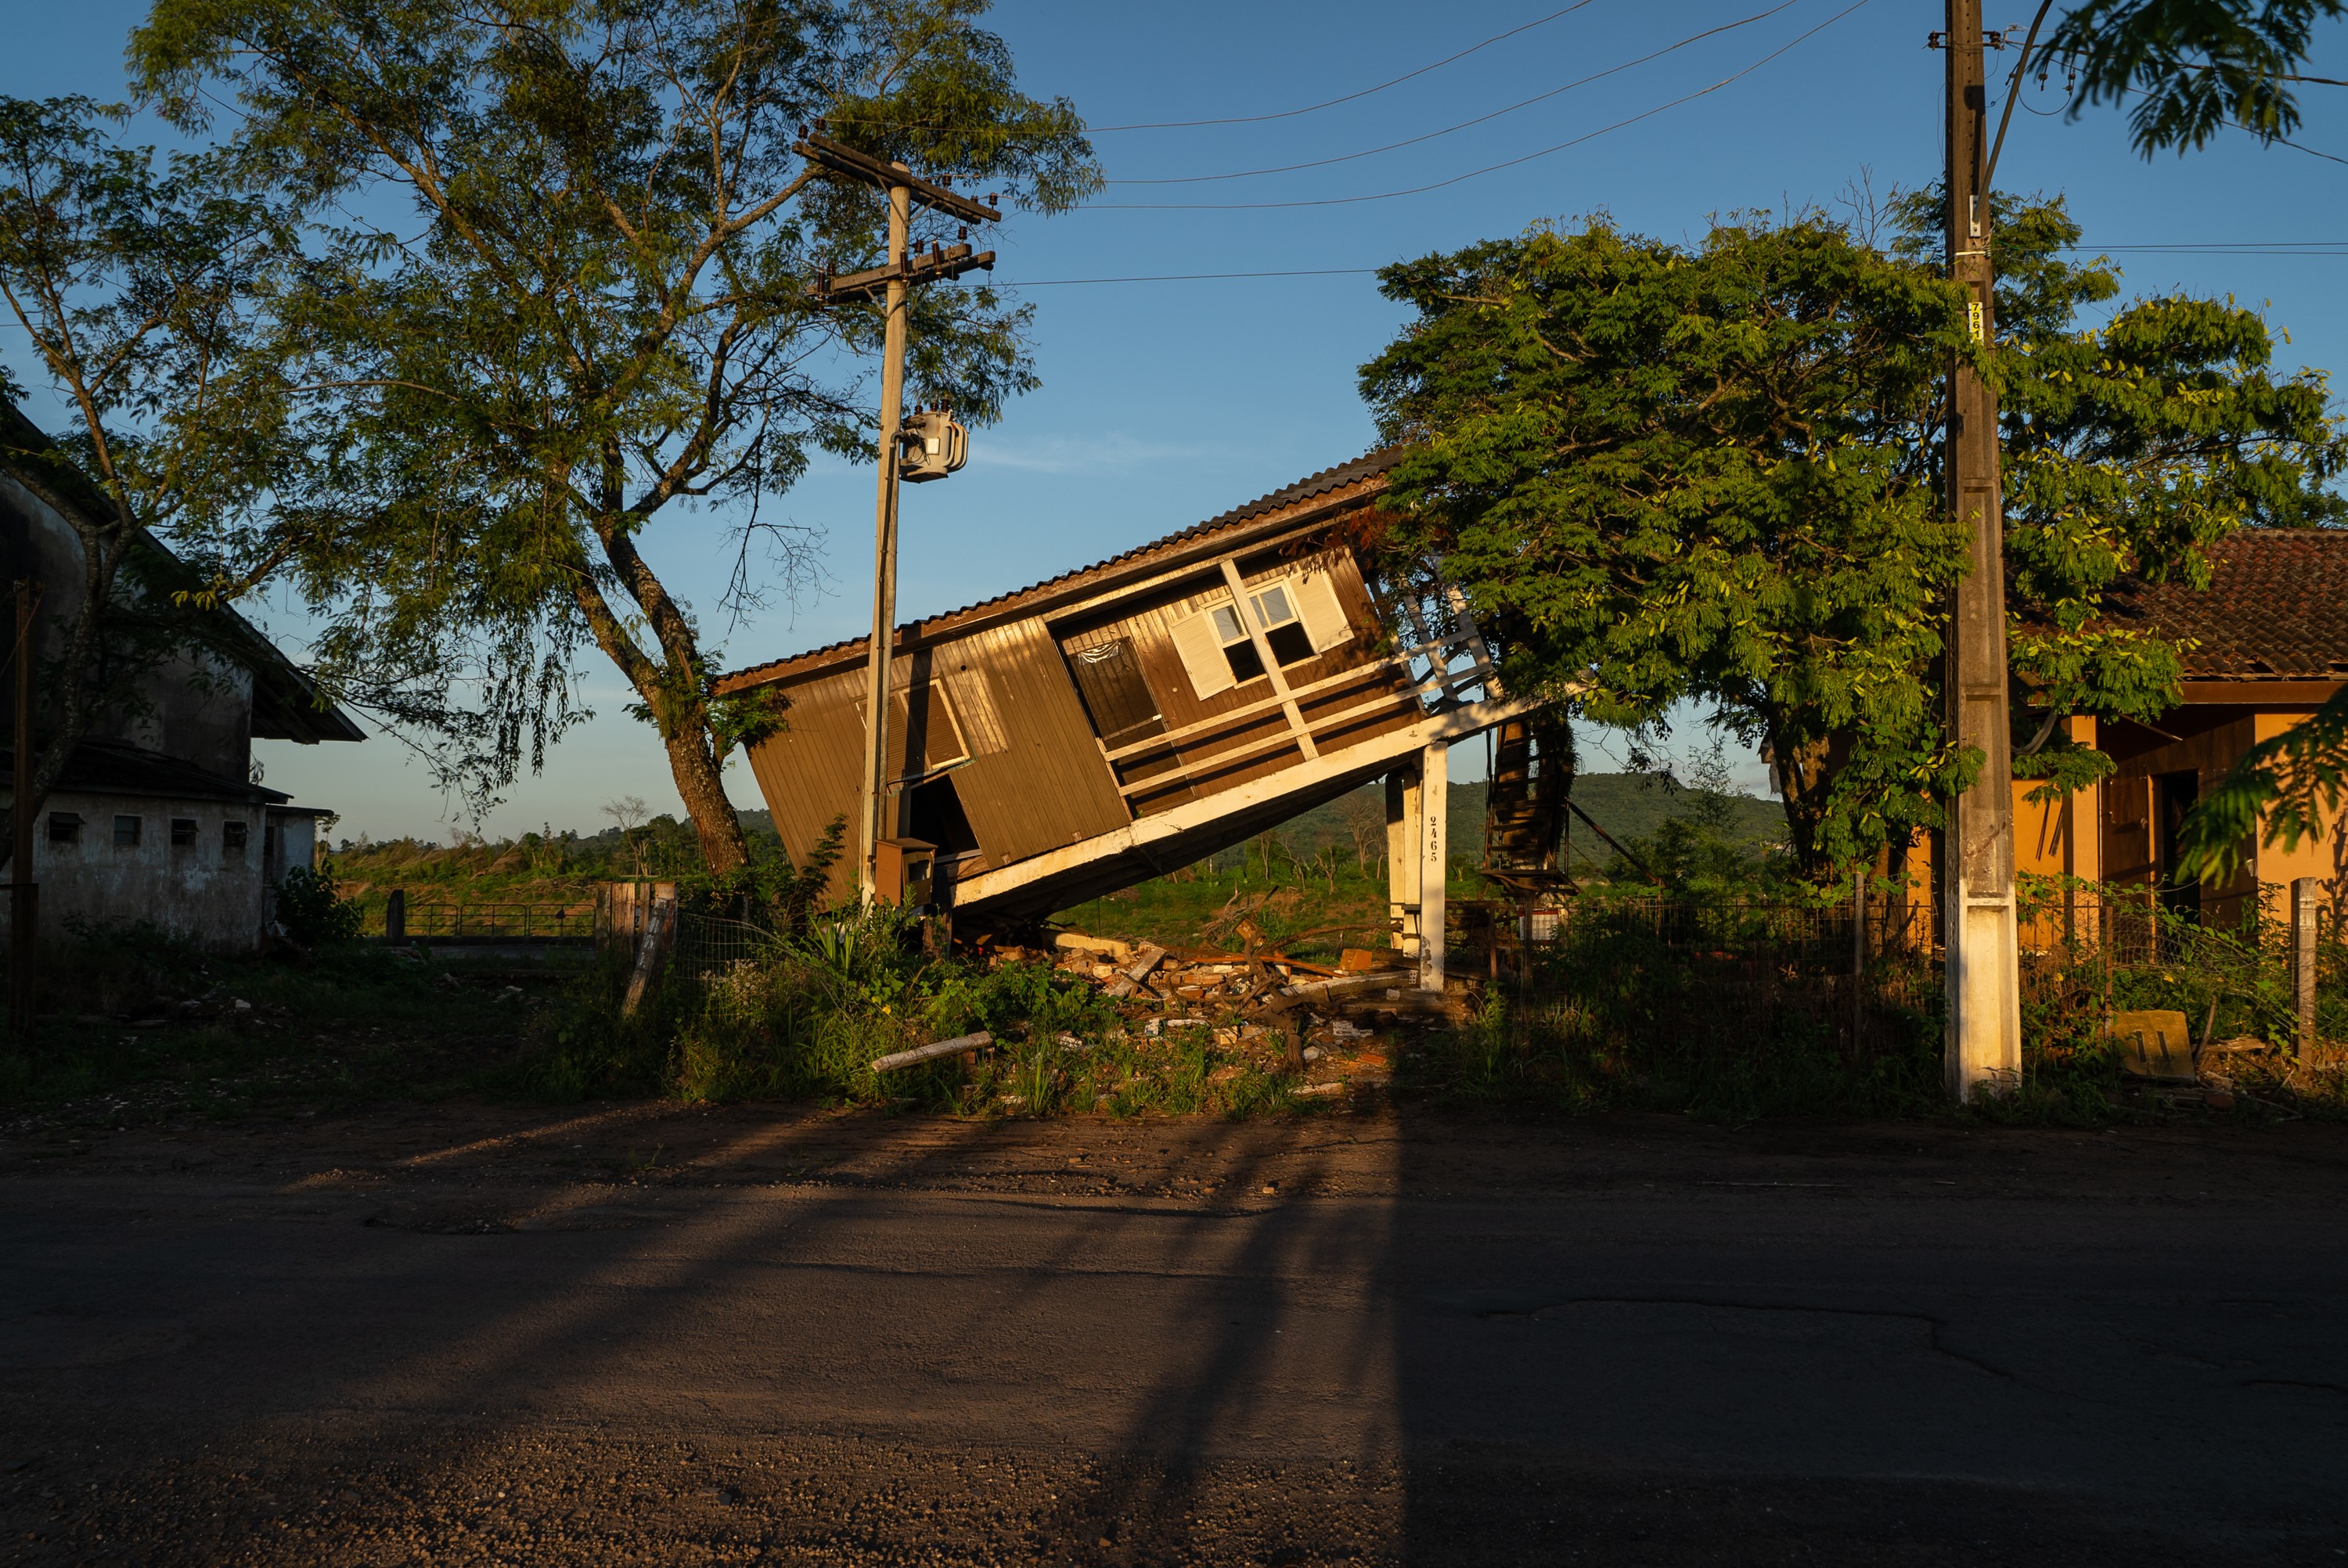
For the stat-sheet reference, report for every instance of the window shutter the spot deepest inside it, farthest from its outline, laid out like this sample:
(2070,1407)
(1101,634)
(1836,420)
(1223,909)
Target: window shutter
(1203,655)
(1317,606)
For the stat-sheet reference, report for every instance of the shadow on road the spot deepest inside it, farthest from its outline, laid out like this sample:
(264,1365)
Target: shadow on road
(1360,1337)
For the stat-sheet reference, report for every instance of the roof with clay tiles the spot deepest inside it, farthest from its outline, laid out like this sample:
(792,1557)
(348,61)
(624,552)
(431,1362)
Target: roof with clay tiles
(2276,608)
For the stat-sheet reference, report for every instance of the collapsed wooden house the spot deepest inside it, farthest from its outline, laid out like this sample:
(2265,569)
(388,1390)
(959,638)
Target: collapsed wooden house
(1062,742)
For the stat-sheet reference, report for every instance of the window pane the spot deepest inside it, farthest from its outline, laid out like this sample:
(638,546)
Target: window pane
(1290,645)
(183,832)
(65,828)
(1245,664)
(1228,627)
(1272,608)
(232,837)
(126,832)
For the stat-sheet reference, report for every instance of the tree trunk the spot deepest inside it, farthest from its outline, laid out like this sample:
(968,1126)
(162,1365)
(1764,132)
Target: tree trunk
(1804,770)
(701,784)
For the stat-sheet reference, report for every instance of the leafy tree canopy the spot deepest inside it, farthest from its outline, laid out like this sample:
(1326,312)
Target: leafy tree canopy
(2193,67)
(1666,472)
(566,299)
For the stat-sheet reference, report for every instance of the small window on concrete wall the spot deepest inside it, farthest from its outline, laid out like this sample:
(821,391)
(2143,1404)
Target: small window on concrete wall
(65,828)
(232,837)
(126,832)
(183,832)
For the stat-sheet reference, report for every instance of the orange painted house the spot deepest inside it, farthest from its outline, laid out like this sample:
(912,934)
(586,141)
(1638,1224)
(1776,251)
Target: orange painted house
(2264,646)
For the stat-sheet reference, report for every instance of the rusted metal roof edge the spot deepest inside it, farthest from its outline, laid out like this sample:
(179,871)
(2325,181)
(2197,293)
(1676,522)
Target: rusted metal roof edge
(1307,502)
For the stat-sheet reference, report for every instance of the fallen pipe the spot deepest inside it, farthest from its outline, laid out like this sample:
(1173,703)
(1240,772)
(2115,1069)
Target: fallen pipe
(931,1051)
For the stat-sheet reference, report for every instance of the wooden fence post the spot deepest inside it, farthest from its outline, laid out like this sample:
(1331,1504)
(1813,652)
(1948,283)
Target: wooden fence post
(2303,892)
(395,916)
(1857,960)
(660,930)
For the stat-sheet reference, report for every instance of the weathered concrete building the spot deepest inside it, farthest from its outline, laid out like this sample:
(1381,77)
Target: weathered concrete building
(159,815)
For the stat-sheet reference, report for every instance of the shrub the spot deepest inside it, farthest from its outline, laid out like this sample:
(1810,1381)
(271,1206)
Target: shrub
(311,908)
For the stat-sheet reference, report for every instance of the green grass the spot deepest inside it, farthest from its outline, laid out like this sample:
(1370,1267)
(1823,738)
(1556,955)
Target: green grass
(805,1024)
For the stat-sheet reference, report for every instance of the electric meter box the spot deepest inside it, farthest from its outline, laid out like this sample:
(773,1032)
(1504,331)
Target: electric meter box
(935,446)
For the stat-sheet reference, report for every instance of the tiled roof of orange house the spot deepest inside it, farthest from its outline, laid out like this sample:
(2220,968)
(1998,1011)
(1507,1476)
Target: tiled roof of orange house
(1364,474)
(2276,608)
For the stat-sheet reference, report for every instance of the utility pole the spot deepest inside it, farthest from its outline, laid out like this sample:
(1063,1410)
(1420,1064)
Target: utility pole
(24,893)
(877,821)
(1979,931)
(890,283)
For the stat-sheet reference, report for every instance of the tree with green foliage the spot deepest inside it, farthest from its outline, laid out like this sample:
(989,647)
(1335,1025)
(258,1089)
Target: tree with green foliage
(141,293)
(2193,67)
(1665,473)
(565,301)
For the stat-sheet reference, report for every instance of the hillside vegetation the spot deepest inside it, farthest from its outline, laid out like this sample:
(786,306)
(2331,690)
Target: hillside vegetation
(562,868)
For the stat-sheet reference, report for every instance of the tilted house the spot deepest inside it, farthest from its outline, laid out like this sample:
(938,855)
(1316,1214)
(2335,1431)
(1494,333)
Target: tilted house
(1072,738)
(159,815)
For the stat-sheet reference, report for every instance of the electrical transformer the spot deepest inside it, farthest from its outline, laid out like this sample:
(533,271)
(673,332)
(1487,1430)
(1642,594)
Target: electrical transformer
(935,446)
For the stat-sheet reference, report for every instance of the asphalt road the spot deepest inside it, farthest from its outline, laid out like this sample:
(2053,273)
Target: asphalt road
(1571,1343)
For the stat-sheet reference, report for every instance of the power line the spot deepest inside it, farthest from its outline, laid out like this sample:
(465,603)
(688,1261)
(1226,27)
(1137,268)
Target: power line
(1349,98)
(1480,119)
(1488,168)
(1189,277)
(2214,248)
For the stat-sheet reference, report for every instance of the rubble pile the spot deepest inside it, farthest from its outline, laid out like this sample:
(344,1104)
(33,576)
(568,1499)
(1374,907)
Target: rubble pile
(1332,1025)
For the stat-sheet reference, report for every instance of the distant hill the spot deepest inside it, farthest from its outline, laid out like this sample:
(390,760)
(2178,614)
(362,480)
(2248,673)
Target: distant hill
(1628,805)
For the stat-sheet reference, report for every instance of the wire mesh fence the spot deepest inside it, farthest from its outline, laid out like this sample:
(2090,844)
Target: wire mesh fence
(501,922)
(707,942)
(1717,973)
(1863,973)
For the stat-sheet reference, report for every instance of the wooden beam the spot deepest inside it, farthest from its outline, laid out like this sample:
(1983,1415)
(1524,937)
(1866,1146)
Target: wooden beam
(1371,756)
(1244,608)
(2260,694)
(1256,710)
(1213,760)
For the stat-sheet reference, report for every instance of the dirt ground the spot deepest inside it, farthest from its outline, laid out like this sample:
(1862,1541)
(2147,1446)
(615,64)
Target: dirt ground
(656,1334)
(1369,1151)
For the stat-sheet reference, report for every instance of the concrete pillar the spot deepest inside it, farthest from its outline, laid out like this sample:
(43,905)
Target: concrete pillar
(2303,894)
(1435,813)
(1402,858)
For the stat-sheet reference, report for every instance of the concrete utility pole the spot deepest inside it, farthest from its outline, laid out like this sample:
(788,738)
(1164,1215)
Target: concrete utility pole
(1984,1042)
(891,283)
(878,824)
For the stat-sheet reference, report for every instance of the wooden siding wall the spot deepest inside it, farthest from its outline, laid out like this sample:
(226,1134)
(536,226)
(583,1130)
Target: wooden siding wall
(1035,780)
(1049,787)
(2131,819)
(1147,626)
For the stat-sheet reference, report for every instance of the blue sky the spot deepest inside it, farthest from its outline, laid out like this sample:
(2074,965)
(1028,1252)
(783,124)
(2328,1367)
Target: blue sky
(1164,403)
